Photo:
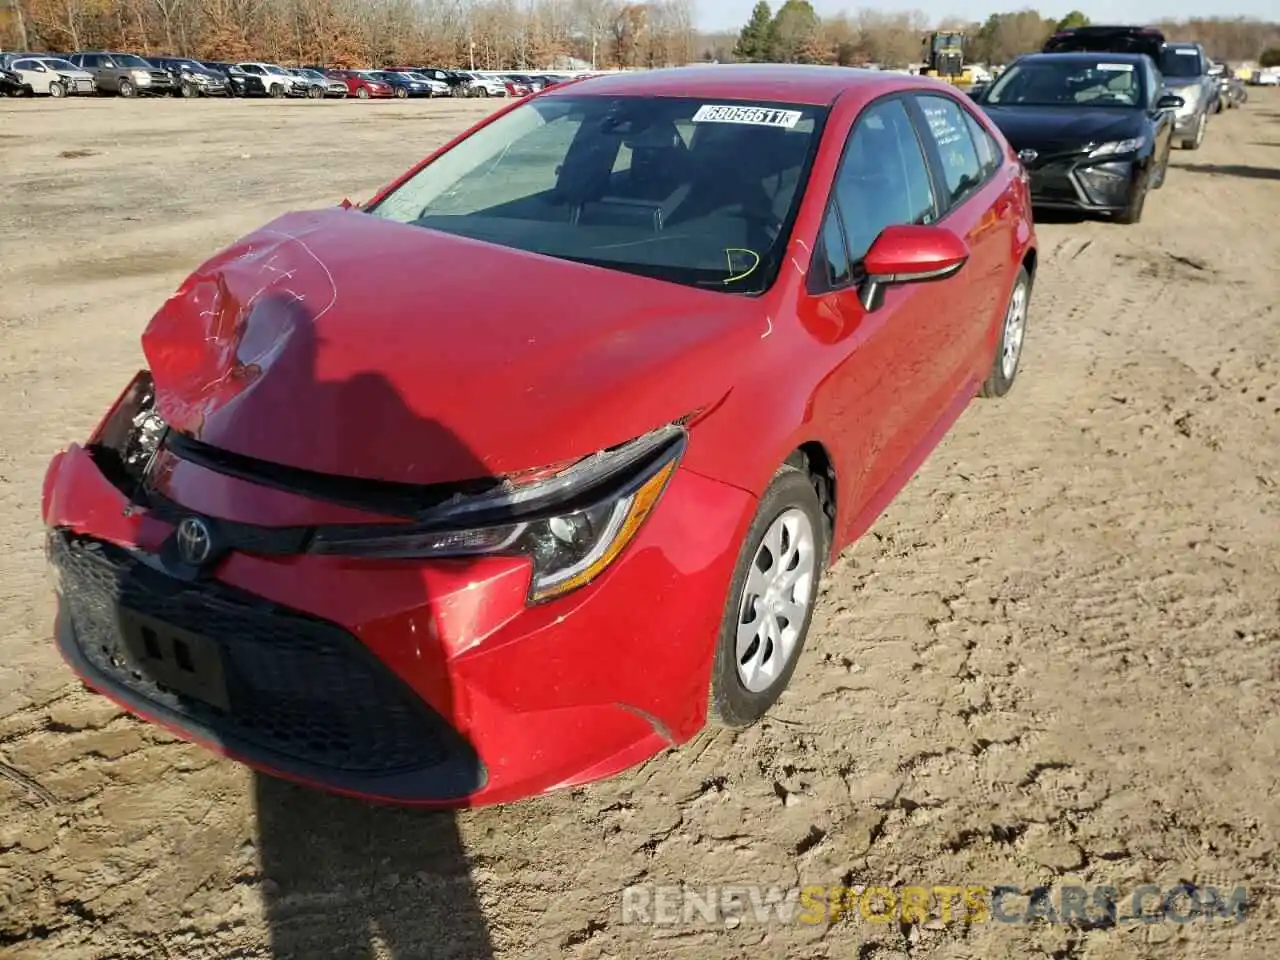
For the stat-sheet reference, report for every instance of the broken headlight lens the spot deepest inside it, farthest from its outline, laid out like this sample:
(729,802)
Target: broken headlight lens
(572,525)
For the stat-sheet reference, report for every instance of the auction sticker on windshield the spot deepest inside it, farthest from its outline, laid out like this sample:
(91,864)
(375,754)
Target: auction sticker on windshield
(757,116)
(1123,67)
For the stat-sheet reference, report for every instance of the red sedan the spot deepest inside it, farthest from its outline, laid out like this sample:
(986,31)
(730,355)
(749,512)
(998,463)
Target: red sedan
(506,479)
(361,86)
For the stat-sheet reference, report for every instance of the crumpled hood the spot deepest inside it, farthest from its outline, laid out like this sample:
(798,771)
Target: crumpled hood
(1057,129)
(337,342)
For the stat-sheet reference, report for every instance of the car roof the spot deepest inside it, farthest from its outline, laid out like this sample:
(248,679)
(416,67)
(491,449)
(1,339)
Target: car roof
(1087,55)
(776,82)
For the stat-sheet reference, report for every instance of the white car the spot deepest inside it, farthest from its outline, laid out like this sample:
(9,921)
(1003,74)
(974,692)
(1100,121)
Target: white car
(53,76)
(278,81)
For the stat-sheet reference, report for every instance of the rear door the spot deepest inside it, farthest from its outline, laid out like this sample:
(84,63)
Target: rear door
(977,194)
(885,378)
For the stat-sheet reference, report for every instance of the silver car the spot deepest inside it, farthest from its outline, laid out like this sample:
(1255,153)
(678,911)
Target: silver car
(1186,74)
(126,74)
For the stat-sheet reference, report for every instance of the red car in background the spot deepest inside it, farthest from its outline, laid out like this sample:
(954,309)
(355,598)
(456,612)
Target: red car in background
(361,86)
(516,88)
(508,479)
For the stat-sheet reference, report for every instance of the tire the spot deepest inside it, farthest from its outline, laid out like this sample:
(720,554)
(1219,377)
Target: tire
(1194,142)
(789,504)
(484,91)
(125,88)
(1132,212)
(1005,364)
(401,93)
(189,90)
(315,93)
(57,89)
(277,91)
(363,93)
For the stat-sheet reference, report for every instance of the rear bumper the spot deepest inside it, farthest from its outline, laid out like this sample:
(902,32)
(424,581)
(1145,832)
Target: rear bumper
(337,670)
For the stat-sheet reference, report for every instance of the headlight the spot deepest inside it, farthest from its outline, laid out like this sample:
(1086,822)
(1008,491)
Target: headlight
(572,525)
(140,74)
(1116,146)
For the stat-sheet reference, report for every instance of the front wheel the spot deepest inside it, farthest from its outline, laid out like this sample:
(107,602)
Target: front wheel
(316,93)
(277,90)
(1195,141)
(771,600)
(57,89)
(363,93)
(401,93)
(125,88)
(1004,369)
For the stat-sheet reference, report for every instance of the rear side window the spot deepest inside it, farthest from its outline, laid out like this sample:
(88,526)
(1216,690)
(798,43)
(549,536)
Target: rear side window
(883,179)
(949,130)
(987,149)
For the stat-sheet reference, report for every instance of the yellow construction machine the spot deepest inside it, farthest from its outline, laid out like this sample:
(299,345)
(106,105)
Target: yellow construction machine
(944,57)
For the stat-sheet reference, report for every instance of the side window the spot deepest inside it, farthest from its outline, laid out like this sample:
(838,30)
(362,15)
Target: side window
(25,65)
(106,62)
(987,149)
(961,170)
(883,179)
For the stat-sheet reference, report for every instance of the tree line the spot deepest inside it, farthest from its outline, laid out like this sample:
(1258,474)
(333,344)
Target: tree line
(479,34)
(796,34)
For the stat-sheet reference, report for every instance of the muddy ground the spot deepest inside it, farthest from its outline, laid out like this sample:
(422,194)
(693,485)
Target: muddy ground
(1054,660)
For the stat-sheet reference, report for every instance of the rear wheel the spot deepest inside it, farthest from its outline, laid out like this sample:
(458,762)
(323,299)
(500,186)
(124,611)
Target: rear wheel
(770,603)
(1004,369)
(57,89)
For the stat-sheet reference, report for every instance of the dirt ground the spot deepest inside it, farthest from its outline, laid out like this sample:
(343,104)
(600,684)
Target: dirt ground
(1054,660)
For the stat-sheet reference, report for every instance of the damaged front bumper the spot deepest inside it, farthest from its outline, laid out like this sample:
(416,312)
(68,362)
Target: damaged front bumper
(434,681)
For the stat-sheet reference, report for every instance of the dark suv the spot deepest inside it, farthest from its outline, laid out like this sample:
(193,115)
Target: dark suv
(194,78)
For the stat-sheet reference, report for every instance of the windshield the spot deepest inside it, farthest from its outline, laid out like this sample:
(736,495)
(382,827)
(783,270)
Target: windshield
(1052,83)
(55,63)
(1180,62)
(310,74)
(129,60)
(678,189)
(278,71)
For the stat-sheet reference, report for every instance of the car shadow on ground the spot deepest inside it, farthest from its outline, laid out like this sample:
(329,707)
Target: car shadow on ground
(1233,170)
(1061,216)
(344,878)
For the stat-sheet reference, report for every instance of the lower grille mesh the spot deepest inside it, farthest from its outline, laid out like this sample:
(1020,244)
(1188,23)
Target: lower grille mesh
(297,686)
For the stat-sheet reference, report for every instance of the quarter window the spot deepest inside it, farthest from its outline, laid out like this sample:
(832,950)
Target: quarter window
(988,151)
(883,179)
(961,168)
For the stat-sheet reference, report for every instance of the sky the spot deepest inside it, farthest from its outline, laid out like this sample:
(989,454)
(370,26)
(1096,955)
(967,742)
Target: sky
(732,14)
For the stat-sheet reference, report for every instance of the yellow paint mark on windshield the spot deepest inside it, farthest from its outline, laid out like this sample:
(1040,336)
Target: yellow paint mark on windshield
(744,272)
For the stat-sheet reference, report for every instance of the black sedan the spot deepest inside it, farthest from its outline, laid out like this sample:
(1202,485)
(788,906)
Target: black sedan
(12,85)
(1093,129)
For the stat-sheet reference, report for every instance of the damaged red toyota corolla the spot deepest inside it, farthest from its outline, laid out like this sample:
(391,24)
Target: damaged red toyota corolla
(505,480)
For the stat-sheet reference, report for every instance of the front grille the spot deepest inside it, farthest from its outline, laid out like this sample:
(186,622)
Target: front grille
(1052,181)
(296,686)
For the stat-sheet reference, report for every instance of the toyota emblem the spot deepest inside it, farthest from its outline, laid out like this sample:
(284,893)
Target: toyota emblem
(1028,156)
(195,541)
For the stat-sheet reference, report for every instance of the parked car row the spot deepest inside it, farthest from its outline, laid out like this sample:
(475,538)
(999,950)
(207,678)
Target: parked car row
(129,75)
(1094,115)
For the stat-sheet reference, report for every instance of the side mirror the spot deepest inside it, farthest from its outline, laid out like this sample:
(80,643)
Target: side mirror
(909,254)
(1169,101)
